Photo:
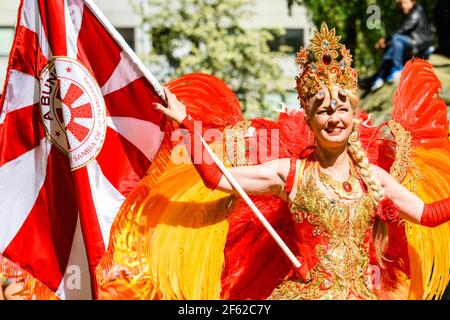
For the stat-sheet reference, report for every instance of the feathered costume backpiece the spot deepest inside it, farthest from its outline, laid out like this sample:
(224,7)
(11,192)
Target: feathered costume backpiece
(176,239)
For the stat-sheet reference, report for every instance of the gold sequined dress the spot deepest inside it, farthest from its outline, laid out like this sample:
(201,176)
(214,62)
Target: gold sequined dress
(332,237)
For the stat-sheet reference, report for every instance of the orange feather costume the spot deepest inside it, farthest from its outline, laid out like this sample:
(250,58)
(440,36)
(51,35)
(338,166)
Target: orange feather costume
(176,239)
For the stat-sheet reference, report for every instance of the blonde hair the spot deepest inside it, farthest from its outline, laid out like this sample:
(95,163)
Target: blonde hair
(359,157)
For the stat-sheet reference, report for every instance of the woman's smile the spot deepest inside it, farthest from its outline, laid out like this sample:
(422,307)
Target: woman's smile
(334,131)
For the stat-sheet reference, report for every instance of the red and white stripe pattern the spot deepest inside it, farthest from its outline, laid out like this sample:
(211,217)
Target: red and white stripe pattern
(46,208)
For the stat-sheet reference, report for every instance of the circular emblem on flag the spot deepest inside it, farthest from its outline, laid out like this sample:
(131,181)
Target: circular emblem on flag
(72,110)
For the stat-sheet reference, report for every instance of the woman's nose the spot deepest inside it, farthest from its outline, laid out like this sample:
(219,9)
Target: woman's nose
(334,118)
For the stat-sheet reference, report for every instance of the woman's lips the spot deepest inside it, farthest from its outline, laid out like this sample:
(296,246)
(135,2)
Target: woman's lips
(334,131)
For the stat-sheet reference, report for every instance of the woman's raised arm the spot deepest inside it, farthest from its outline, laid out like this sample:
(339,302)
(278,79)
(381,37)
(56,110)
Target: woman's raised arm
(266,178)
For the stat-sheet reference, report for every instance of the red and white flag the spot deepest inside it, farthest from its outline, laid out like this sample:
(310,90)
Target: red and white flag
(77,132)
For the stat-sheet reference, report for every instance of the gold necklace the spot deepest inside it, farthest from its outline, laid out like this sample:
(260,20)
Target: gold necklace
(346,189)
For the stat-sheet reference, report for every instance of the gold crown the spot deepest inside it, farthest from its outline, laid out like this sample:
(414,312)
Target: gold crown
(321,65)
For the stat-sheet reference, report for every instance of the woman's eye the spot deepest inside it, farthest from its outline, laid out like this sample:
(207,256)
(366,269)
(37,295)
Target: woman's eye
(322,111)
(343,109)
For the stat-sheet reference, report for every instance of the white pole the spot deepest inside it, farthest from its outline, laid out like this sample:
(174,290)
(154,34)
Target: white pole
(258,213)
(126,48)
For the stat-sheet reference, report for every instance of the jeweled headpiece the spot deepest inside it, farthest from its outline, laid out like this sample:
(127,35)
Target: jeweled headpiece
(325,62)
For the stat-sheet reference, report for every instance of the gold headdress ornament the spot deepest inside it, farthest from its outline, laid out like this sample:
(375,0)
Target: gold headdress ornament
(325,62)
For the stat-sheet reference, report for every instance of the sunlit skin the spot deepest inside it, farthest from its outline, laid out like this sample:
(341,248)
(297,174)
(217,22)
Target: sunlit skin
(11,292)
(330,118)
(332,126)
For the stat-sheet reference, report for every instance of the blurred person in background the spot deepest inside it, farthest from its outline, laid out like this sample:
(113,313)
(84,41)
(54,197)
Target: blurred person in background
(413,38)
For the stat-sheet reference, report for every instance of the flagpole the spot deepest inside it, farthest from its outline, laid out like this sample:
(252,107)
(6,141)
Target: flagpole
(125,47)
(250,203)
(158,88)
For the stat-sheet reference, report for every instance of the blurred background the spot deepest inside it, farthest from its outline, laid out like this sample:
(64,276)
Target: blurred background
(251,44)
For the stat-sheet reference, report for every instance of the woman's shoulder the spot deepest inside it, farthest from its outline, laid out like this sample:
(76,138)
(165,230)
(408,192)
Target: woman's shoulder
(385,178)
(288,166)
(379,172)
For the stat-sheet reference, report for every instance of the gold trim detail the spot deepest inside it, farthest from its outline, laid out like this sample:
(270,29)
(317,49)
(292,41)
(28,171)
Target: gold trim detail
(235,145)
(339,230)
(403,151)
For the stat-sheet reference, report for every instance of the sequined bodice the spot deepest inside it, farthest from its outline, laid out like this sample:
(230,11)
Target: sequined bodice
(339,242)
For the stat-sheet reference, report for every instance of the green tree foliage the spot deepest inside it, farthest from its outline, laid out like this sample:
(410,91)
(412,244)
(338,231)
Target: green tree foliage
(354,21)
(207,36)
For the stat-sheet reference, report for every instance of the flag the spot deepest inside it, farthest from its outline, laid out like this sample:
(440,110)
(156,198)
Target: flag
(77,132)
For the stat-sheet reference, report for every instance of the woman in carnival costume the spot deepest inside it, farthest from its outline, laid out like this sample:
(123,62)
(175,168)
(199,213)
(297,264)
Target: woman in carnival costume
(366,214)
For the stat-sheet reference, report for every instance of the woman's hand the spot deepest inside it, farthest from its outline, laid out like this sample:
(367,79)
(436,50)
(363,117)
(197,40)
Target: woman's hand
(11,290)
(175,109)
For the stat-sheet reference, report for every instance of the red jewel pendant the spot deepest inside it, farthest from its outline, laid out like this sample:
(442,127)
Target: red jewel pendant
(347,187)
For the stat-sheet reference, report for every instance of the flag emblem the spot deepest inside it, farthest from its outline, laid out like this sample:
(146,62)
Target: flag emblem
(72,110)
(77,133)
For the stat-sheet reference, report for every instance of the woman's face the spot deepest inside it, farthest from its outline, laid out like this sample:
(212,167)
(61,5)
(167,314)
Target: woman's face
(330,117)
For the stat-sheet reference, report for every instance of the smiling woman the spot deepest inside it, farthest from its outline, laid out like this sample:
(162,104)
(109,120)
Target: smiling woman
(330,117)
(326,191)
